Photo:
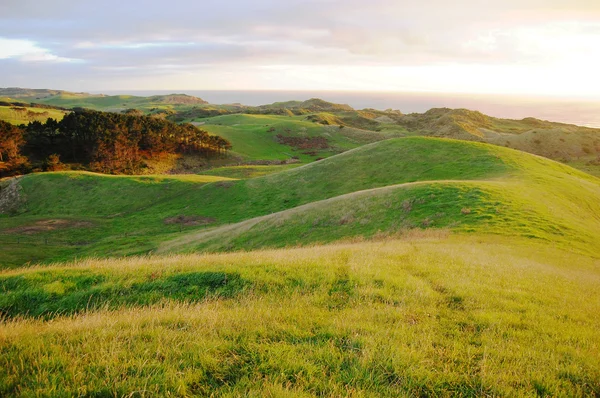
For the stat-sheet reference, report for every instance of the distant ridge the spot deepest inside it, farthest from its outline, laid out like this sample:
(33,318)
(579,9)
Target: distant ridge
(59,97)
(39,93)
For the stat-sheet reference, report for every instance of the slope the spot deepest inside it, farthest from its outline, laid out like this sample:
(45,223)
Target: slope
(127,216)
(535,198)
(23,115)
(463,316)
(523,195)
(281,138)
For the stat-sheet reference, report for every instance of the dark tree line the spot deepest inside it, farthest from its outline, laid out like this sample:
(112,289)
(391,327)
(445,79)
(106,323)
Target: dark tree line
(104,142)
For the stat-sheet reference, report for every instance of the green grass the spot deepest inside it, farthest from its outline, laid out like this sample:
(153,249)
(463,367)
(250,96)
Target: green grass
(22,117)
(254,137)
(457,316)
(244,172)
(590,165)
(101,214)
(95,102)
(515,200)
(522,195)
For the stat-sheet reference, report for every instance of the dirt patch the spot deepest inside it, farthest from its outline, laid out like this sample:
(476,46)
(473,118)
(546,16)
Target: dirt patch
(49,225)
(303,142)
(224,184)
(189,220)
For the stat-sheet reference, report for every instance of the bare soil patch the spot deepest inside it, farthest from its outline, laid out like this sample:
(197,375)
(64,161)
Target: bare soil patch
(303,142)
(189,220)
(49,225)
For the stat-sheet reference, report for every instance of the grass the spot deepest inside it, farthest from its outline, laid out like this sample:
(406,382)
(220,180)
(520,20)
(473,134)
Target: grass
(245,172)
(513,204)
(101,214)
(126,216)
(590,165)
(254,137)
(101,103)
(29,115)
(428,316)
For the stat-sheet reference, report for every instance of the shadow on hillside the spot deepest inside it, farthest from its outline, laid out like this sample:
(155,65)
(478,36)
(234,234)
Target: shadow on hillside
(54,293)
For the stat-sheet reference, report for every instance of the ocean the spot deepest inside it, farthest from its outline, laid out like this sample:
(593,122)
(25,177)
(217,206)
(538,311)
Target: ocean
(582,112)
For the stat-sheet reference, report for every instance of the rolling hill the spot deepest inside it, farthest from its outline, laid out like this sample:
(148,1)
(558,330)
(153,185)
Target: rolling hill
(570,144)
(385,187)
(465,269)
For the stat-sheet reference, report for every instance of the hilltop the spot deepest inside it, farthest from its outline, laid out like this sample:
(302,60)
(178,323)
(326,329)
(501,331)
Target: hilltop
(467,187)
(30,94)
(549,139)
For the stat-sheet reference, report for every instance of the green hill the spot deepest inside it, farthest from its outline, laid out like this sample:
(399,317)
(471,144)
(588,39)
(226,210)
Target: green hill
(570,144)
(119,102)
(579,146)
(514,194)
(273,137)
(510,193)
(23,115)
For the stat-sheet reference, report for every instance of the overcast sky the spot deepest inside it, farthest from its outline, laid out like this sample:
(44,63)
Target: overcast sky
(549,47)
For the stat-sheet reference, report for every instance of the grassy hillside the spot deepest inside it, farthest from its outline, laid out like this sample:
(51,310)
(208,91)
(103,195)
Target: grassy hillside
(436,316)
(522,195)
(119,102)
(480,276)
(272,137)
(24,115)
(69,214)
(570,144)
(506,207)
(564,142)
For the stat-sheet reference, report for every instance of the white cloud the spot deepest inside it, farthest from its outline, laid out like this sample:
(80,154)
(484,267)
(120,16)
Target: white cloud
(28,51)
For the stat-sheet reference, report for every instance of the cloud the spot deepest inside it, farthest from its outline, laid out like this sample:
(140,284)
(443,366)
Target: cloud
(28,51)
(115,39)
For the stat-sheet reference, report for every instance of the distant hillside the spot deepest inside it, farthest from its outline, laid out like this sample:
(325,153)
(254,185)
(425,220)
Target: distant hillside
(114,103)
(38,94)
(574,145)
(311,105)
(559,141)
(176,99)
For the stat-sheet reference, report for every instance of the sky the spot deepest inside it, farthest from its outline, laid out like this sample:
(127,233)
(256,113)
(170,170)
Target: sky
(524,47)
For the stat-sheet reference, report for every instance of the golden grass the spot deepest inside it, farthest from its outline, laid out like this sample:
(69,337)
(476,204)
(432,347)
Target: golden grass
(430,315)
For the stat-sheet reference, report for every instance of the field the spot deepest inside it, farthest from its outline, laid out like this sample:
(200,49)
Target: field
(24,115)
(272,137)
(426,316)
(426,183)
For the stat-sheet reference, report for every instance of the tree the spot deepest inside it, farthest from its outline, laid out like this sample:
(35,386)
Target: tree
(11,141)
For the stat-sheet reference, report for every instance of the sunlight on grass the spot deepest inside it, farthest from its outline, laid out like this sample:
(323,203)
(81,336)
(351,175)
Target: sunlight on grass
(426,316)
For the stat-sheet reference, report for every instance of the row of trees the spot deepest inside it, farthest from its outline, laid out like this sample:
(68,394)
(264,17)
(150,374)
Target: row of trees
(105,142)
